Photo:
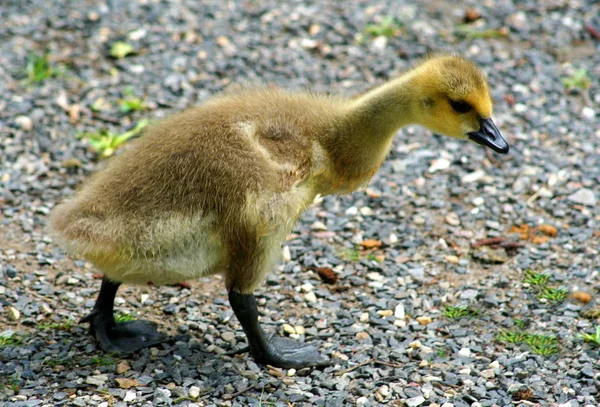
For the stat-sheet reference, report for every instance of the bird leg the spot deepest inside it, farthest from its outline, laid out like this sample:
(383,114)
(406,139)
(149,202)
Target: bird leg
(119,337)
(280,352)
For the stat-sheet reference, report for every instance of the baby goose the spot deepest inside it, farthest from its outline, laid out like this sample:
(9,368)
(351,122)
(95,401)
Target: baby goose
(216,188)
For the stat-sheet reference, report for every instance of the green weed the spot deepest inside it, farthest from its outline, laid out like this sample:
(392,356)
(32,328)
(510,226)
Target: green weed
(388,27)
(105,142)
(131,103)
(102,361)
(54,361)
(469,32)
(592,338)
(356,255)
(124,317)
(38,68)
(544,345)
(554,295)
(459,312)
(580,79)
(10,338)
(536,279)
(521,324)
(58,326)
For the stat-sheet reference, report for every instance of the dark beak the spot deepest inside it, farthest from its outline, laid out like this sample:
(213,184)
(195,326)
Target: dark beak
(489,135)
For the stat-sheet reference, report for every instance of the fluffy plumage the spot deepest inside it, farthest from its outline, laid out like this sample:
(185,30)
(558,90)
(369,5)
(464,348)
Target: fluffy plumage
(216,188)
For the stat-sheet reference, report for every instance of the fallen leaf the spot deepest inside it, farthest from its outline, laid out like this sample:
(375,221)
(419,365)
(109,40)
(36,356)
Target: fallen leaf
(581,296)
(123,367)
(125,383)
(525,394)
(548,230)
(471,15)
(371,244)
(327,275)
(537,239)
(524,231)
(74,113)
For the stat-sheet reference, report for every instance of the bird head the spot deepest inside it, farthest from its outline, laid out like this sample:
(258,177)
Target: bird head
(454,99)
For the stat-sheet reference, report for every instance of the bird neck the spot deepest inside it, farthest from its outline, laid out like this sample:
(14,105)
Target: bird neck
(367,127)
(377,115)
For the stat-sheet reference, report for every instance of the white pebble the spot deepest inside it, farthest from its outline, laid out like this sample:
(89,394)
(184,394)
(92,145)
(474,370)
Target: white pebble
(439,165)
(464,352)
(288,329)
(311,297)
(494,365)
(415,401)
(24,122)
(366,211)
(415,344)
(361,401)
(379,43)
(364,317)
(351,211)
(285,254)
(478,201)
(452,219)
(307,287)
(399,311)
(194,392)
(318,226)
(13,314)
(472,177)
(392,238)
(487,374)
(129,396)
(384,390)
(374,276)
(588,113)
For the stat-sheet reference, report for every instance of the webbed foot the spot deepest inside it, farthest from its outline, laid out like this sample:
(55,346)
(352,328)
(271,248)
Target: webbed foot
(119,337)
(275,351)
(289,353)
(123,337)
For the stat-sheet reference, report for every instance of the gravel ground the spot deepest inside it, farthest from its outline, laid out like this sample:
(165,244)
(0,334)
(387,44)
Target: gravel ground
(386,323)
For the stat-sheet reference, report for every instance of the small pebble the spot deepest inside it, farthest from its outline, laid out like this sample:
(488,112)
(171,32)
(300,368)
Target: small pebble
(288,329)
(13,314)
(194,392)
(310,297)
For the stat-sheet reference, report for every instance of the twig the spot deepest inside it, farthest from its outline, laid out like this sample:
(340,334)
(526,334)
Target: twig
(108,119)
(381,362)
(234,395)
(350,369)
(366,362)
(487,242)
(237,351)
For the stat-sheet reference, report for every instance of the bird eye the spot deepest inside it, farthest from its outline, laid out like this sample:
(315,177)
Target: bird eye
(460,106)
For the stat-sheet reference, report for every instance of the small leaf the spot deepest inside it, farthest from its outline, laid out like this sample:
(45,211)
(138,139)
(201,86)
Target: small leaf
(371,244)
(125,383)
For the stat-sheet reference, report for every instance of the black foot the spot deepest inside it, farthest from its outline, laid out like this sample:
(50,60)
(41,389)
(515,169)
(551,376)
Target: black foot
(288,353)
(119,337)
(123,337)
(280,352)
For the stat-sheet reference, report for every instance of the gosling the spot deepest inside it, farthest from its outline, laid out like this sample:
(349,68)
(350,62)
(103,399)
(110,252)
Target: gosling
(216,188)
